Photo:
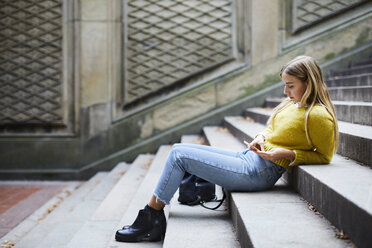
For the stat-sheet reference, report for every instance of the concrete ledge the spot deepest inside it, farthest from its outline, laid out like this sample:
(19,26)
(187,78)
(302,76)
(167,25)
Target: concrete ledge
(279,218)
(341,191)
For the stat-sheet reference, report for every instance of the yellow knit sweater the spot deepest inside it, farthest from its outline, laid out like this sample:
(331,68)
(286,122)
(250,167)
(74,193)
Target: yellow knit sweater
(287,130)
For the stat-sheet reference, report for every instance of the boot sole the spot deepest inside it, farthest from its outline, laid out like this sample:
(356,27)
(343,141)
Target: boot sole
(152,236)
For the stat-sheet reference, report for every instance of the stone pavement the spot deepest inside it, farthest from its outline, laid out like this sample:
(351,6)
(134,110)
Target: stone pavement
(19,199)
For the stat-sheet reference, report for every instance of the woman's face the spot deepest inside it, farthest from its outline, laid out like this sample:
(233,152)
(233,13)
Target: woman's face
(294,88)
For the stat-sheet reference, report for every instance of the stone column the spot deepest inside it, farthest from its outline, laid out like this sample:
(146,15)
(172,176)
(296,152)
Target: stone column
(264,30)
(97,20)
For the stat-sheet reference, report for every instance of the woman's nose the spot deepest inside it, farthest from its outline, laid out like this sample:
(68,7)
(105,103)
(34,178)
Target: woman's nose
(285,91)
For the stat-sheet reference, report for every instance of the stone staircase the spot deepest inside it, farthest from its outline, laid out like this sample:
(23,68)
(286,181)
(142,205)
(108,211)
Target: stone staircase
(312,206)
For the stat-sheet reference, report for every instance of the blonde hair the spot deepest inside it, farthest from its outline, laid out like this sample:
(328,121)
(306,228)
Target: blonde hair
(307,70)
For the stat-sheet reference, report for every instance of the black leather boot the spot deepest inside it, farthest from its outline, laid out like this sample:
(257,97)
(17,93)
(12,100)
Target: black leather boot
(149,225)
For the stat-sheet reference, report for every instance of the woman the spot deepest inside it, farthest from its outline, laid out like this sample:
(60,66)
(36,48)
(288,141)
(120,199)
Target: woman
(302,130)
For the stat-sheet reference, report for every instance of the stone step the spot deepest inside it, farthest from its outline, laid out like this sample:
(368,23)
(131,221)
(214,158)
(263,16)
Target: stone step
(273,102)
(355,140)
(350,80)
(237,125)
(362,62)
(141,198)
(357,93)
(193,139)
(352,71)
(353,112)
(341,190)
(188,223)
(273,218)
(37,234)
(60,236)
(114,205)
(97,231)
(62,232)
(227,141)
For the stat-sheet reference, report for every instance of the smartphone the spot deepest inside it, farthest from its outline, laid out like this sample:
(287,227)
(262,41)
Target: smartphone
(249,146)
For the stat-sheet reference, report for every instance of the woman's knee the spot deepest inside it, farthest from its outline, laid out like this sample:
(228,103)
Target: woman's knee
(177,146)
(181,148)
(183,145)
(176,151)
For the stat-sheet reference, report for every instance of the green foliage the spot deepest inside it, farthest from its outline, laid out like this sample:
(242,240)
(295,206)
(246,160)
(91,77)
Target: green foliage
(268,81)
(363,37)
(329,56)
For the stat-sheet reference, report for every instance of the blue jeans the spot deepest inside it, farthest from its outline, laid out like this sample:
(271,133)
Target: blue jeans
(235,171)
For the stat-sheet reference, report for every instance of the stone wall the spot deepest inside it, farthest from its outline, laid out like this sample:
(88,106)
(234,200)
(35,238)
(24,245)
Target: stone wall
(106,121)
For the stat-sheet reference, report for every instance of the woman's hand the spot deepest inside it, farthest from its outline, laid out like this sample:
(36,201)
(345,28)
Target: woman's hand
(277,154)
(257,143)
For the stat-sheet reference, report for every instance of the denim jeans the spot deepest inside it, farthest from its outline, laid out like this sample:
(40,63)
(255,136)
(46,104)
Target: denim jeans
(235,171)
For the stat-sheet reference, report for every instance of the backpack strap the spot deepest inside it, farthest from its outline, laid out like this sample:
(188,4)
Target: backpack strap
(215,200)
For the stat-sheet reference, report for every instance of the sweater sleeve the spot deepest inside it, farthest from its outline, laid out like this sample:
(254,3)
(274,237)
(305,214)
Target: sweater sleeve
(266,132)
(321,132)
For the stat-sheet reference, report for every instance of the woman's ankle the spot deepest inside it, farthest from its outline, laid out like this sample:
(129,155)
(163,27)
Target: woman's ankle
(156,204)
(151,209)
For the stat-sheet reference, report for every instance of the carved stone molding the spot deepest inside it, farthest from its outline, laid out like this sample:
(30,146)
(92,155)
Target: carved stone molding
(309,12)
(31,62)
(167,41)
(36,61)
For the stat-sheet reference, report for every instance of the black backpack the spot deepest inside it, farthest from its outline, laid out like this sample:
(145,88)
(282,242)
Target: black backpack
(194,190)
